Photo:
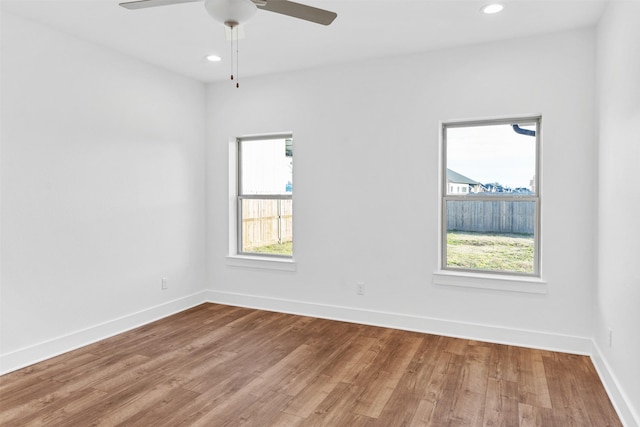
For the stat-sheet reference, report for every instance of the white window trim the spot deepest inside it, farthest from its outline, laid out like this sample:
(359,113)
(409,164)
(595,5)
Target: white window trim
(233,258)
(488,280)
(527,284)
(244,261)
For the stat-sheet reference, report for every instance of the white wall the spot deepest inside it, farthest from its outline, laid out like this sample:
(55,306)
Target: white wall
(102,192)
(366,187)
(618,285)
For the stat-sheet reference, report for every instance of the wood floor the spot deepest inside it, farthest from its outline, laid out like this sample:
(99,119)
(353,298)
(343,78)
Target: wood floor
(216,365)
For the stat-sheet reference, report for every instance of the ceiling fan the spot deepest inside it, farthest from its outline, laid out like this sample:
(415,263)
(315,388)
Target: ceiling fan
(235,12)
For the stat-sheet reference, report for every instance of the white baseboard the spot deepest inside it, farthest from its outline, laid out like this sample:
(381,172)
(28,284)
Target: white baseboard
(38,352)
(494,334)
(628,415)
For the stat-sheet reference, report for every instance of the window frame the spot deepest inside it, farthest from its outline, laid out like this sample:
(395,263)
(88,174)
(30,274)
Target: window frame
(239,197)
(536,197)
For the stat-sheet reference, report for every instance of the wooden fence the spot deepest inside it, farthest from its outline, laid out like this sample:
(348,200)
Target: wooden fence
(266,222)
(491,216)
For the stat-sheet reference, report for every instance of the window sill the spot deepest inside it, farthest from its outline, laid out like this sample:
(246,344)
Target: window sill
(265,263)
(532,285)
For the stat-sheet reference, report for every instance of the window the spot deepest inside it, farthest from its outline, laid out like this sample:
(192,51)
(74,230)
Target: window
(264,196)
(492,225)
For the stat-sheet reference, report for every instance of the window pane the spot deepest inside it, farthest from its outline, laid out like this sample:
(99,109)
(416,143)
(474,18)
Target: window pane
(267,226)
(491,159)
(493,235)
(266,167)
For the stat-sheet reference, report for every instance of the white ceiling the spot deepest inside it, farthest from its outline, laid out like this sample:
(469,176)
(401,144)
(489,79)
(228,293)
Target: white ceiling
(178,37)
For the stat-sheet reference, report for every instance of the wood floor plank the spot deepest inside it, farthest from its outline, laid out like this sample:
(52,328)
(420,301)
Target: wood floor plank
(151,336)
(457,346)
(505,363)
(501,404)
(227,410)
(448,394)
(119,404)
(319,388)
(368,358)
(307,372)
(564,394)
(264,412)
(571,387)
(134,374)
(533,388)
(600,410)
(22,378)
(534,416)
(278,376)
(197,370)
(248,365)
(28,402)
(207,401)
(402,406)
(284,419)
(432,347)
(468,408)
(336,408)
(216,365)
(93,373)
(60,413)
(433,398)
(381,384)
(158,406)
(303,404)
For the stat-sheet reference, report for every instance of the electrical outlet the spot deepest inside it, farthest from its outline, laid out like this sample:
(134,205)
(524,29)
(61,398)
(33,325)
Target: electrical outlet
(360,288)
(610,338)
(165,283)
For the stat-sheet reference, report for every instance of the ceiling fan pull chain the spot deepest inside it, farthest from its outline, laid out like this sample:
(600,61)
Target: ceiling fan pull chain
(237,61)
(231,26)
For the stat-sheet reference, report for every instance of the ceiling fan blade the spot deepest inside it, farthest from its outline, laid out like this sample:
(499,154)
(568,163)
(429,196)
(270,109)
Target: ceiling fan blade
(141,4)
(297,10)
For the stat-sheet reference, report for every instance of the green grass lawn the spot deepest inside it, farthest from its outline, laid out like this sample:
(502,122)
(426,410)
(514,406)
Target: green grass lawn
(497,252)
(284,248)
(474,251)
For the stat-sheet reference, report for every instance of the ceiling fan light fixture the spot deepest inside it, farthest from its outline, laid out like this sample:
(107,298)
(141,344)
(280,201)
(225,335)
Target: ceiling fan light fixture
(231,12)
(492,8)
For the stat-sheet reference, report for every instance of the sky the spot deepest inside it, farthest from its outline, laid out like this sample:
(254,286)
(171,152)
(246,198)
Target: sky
(490,154)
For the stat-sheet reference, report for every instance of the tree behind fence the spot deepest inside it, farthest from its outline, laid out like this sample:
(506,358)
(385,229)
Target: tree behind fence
(491,216)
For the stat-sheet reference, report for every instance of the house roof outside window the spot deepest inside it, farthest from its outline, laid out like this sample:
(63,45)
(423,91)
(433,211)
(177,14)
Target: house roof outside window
(453,176)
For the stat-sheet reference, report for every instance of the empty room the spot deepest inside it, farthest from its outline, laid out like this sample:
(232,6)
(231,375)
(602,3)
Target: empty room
(455,245)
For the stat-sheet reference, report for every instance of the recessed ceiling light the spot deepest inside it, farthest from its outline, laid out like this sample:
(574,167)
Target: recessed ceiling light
(213,58)
(492,8)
